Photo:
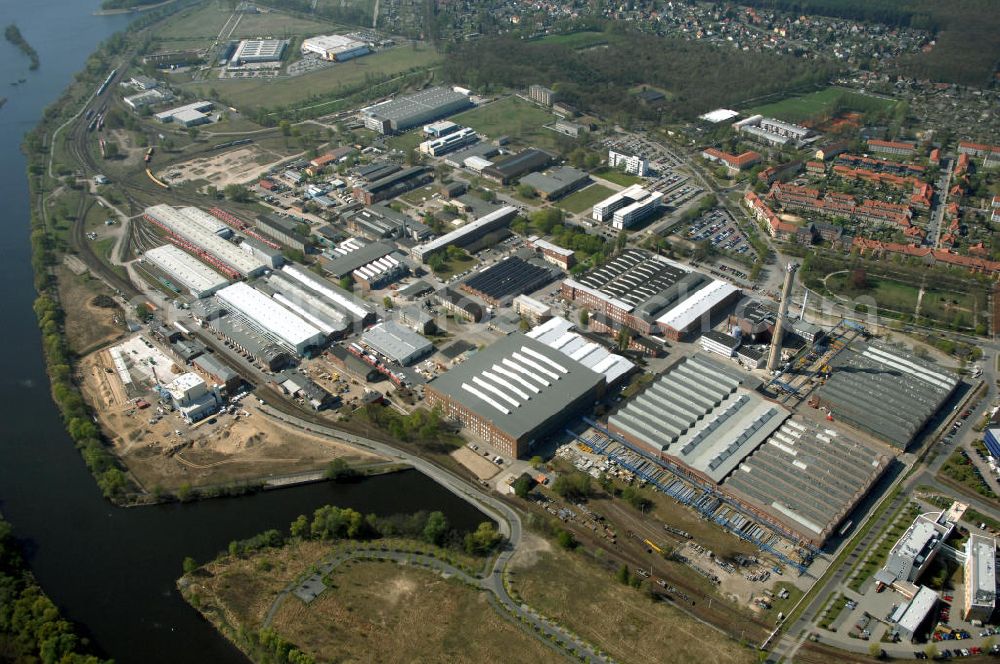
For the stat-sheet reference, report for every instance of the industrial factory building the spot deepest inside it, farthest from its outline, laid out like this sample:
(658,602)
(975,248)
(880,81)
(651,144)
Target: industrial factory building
(556,183)
(333,322)
(186,271)
(335,48)
(355,308)
(409,111)
(651,294)
(697,414)
(252,51)
(885,392)
(189,115)
(392,185)
(500,283)
(466,235)
(381,221)
(807,477)
(280,323)
(371,266)
(561,335)
(507,169)
(449,142)
(627,207)
(193,228)
(192,397)
(397,343)
(515,392)
(283,230)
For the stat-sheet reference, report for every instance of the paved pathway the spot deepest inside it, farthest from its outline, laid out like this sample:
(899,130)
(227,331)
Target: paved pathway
(508,520)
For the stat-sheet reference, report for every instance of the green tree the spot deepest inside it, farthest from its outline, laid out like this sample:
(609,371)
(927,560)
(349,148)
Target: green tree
(523,485)
(622,575)
(573,486)
(483,540)
(237,193)
(300,527)
(436,528)
(189,565)
(584,317)
(565,539)
(339,470)
(387,302)
(143,312)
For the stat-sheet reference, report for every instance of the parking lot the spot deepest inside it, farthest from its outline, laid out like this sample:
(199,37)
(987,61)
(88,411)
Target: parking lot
(721,230)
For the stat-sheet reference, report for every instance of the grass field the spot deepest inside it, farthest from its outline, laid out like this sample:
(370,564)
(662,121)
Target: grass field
(513,117)
(616,176)
(381,612)
(815,105)
(618,619)
(253,93)
(947,305)
(198,27)
(583,200)
(887,293)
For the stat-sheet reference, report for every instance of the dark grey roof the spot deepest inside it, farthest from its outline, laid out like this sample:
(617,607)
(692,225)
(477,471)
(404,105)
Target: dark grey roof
(554,379)
(886,392)
(556,180)
(344,265)
(722,338)
(209,364)
(509,278)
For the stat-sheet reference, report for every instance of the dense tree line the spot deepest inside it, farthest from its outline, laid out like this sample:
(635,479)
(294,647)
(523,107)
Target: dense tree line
(350,14)
(698,76)
(966,31)
(31,629)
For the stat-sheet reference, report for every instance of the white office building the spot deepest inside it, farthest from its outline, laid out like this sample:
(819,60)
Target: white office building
(632,164)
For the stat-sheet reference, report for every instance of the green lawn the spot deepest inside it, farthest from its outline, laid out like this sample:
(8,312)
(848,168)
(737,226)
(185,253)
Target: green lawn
(583,200)
(453,266)
(199,26)
(888,293)
(947,305)
(616,176)
(817,105)
(253,93)
(522,121)
(406,142)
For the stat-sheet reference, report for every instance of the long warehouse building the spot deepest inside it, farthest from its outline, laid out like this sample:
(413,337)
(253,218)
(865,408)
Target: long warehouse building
(268,315)
(467,234)
(408,111)
(357,309)
(189,272)
(304,302)
(191,227)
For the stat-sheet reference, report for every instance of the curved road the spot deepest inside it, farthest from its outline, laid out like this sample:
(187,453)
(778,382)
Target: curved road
(506,517)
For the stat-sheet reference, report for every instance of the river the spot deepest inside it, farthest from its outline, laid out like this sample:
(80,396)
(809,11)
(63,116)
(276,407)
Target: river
(113,570)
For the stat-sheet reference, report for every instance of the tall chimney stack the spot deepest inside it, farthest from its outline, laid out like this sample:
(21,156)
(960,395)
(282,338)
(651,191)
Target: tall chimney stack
(774,359)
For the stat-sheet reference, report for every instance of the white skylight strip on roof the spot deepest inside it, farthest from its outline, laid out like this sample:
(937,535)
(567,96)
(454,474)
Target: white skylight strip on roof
(552,363)
(503,382)
(535,365)
(497,391)
(490,401)
(514,376)
(518,368)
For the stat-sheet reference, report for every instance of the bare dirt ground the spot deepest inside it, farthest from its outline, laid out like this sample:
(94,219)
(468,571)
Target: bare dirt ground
(130,154)
(236,166)
(482,467)
(232,448)
(87,325)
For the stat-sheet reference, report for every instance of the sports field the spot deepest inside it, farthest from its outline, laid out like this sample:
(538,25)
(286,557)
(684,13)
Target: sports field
(583,200)
(255,92)
(819,104)
(522,121)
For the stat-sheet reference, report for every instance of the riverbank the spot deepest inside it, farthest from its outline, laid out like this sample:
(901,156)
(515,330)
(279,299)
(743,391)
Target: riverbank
(132,10)
(31,627)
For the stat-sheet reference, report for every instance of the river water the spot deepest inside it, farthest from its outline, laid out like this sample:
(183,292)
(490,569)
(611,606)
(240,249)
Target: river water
(113,570)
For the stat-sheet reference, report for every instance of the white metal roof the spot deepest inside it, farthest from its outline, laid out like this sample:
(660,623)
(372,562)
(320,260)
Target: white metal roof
(557,333)
(270,315)
(701,302)
(917,611)
(718,115)
(339,298)
(192,274)
(450,238)
(181,223)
